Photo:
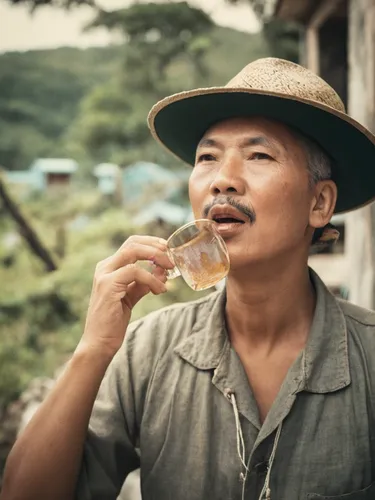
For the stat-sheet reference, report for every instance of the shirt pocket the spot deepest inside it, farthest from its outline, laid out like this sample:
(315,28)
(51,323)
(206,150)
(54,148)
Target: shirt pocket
(365,494)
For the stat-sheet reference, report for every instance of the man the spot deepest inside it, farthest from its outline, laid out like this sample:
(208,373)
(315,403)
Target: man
(265,390)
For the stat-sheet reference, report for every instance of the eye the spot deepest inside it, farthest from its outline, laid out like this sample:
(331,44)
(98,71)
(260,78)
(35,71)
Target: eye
(207,157)
(260,156)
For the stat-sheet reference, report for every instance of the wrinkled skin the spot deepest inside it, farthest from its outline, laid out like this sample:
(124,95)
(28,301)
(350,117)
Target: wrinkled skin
(262,165)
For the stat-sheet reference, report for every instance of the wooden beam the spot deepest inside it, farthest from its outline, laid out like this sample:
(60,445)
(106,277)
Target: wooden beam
(323,12)
(27,232)
(294,10)
(312,50)
(305,11)
(319,17)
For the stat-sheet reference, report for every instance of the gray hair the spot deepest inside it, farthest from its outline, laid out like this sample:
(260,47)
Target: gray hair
(319,163)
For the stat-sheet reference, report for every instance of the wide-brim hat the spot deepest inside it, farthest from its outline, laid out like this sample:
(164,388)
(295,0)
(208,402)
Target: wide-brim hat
(289,93)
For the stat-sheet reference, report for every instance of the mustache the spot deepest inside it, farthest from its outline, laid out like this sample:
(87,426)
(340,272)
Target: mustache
(229,200)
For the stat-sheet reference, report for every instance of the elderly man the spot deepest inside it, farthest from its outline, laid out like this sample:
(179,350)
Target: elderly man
(265,390)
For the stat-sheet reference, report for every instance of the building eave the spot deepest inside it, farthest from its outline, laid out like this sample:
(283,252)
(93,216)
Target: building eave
(309,12)
(290,10)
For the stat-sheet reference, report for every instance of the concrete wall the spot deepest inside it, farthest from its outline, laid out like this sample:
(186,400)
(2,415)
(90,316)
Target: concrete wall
(361,105)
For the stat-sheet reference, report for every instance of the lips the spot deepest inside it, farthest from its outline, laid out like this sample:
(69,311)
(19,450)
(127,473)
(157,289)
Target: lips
(225,214)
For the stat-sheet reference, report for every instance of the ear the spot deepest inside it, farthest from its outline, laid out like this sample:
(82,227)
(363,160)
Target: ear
(323,203)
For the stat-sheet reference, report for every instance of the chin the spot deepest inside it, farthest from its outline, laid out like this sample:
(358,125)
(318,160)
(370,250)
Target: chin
(239,260)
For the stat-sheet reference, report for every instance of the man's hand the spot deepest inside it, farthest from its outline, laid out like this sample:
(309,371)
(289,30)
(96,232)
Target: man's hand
(46,459)
(118,285)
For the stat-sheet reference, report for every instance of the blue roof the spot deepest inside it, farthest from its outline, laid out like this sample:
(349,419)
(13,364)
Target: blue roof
(147,171)
(147,178)
(55,165)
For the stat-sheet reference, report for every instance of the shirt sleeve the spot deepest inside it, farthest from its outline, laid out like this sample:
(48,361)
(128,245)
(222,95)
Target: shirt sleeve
(110,448)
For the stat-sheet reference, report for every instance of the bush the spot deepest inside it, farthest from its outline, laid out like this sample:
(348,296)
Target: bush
(42,314)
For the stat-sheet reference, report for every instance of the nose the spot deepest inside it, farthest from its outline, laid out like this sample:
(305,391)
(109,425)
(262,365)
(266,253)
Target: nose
(228,178)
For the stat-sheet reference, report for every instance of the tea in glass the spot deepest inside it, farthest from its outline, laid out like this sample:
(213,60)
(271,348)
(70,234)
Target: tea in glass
(199,253)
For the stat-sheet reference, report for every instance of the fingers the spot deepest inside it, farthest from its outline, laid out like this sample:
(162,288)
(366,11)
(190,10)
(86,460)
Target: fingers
(136,292)
(139,248)
(160,273)
(125,276)
(146,240)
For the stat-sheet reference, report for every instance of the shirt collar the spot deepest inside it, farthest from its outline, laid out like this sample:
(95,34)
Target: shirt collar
(204,347)
(324,361)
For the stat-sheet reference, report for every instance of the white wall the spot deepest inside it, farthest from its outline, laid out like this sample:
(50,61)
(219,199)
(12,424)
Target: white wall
(361,107)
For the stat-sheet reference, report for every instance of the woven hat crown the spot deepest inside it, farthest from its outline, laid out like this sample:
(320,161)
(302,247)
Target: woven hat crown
(284,77)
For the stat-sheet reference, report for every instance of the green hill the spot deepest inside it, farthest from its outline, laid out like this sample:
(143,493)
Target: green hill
(41,91)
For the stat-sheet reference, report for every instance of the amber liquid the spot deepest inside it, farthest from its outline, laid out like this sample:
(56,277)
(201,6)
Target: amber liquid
(203,261)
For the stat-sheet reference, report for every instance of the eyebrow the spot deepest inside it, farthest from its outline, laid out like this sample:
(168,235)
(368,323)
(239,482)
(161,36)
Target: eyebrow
(206,143)
(260,140)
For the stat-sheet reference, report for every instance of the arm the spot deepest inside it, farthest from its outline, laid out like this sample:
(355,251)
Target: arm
(47,459)
(53,441)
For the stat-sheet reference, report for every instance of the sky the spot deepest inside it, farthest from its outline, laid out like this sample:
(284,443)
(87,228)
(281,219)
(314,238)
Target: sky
(50,28)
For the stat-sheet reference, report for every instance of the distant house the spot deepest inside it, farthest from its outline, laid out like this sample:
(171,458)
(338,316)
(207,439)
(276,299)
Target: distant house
(43,173)
(52,172)
(145,181)
(107,175)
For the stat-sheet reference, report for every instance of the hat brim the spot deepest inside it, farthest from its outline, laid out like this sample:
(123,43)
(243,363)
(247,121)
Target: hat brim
(180,121)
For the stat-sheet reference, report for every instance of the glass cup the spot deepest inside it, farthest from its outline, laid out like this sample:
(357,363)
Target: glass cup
(199,254)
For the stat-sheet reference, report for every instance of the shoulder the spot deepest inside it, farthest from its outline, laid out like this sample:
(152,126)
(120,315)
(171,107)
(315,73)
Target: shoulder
(360,324)
(357,314)
(162,330)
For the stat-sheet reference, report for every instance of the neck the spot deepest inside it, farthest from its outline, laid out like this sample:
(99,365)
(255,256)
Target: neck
(266,308)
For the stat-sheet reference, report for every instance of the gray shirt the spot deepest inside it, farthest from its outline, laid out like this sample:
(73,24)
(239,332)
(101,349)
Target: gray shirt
(177,391)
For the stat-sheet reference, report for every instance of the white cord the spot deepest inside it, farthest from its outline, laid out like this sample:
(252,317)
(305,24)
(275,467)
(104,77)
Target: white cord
(266,488)
(239,435)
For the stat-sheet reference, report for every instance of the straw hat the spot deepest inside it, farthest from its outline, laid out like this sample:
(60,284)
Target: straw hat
(282,91)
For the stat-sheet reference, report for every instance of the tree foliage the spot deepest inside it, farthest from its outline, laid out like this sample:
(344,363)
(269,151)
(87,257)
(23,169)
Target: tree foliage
(283,39)
(111,124)
(113,117)
(66,4)
(40,92)
(92,104)
(281,36)
(86,103)
(156,35)
(169,20)
(26,126)
(260,7)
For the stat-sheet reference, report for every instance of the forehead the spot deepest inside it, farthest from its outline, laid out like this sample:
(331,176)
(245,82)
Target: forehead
(238,128)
